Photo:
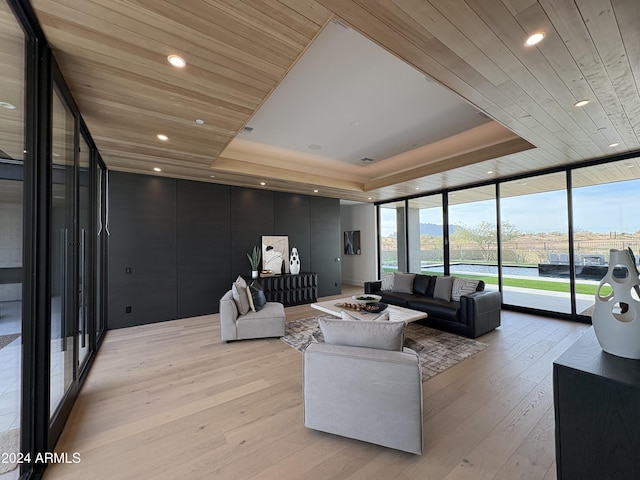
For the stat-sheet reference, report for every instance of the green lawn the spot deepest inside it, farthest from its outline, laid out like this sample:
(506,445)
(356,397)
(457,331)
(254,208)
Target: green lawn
(534,283)
(537,284)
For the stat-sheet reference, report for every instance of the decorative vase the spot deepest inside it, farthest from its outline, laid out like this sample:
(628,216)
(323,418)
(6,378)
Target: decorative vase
(616,315)
(294,262)
(254,273)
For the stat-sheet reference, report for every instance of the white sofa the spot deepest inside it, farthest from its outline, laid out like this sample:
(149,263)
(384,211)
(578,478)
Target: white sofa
(266,322)
(370,394)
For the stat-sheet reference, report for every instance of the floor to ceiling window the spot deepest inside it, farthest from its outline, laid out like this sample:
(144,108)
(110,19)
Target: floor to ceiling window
(392,228)
(473,236)
(49,255)
(12,145)
(605,217)
(100,246)
(535,243)
(426,234)
(62,251)
(541,256)
(85,250)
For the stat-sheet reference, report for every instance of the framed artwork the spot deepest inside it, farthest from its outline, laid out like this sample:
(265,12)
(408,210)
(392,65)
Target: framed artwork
(352,242)
(275,253)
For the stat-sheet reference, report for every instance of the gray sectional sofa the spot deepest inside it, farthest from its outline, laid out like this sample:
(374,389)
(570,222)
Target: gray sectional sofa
(459,306)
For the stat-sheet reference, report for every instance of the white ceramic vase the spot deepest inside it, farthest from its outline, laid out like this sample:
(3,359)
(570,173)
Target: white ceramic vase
(294,262)
(254,273)
(616,316)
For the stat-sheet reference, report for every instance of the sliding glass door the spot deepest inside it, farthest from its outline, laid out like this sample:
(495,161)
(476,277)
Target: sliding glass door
(12,146)
(535,243)
(605,217)
(473,234)
(100,246)
(426,235)
(62,252)
(85,250)
(393,244)
(51,252)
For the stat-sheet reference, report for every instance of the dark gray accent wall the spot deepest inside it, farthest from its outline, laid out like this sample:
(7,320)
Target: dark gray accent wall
(186,241)
(204,238)
(251,217)
(325,249)
(142,223)
(292,218)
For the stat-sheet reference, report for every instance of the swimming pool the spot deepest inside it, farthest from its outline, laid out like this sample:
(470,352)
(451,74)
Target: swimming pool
(484,269)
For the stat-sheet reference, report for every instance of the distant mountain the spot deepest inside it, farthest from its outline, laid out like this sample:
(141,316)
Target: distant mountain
(434,230)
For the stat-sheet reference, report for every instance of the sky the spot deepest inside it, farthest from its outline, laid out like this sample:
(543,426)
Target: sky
(613,207)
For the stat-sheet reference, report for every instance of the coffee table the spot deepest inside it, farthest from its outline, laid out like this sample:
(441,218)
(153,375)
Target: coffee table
(396,314)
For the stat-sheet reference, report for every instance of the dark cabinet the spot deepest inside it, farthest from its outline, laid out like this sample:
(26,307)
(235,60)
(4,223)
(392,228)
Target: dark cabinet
(290,289)
(597,407)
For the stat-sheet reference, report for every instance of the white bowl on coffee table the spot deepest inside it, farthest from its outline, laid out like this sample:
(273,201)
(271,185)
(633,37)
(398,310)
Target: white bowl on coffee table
(366,298)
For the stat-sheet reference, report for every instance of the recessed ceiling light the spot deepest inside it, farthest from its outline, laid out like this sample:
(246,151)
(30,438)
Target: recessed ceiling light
(314,147)
(199,121)
(417,188)
(213,176)
(56,154)
(370,198)
(489,172)
(315,190)
(162,136)
(581,103)
(7,105)
(262,183)
(534,39)
(614,144)
(156,169)
(177,61)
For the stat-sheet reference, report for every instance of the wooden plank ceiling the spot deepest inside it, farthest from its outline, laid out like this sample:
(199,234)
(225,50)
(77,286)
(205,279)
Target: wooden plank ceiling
(113,56)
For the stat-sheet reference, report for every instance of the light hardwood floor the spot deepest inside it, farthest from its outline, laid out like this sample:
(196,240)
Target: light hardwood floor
(170,401)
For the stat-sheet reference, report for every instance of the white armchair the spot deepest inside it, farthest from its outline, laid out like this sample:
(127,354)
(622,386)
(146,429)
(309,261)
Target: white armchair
(363,384)
(266,322)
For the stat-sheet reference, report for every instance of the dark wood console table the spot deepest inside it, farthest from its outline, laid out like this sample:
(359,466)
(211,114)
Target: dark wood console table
(290,289)
(597,407)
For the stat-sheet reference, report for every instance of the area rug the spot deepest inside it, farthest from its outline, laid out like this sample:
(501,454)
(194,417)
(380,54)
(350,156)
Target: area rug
(7,339)
(437,350)
(9,443)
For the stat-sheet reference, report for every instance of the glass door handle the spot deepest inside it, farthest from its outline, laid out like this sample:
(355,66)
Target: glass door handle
(83,289)
(99,195)
(64,233)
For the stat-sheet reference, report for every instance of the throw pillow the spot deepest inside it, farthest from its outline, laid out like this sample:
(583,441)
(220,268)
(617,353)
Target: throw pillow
(257,296)
(462,286)
(403,282)
(387,281)
(443,288)
(252,307)
(421,284)
(380,335)
(239,290)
